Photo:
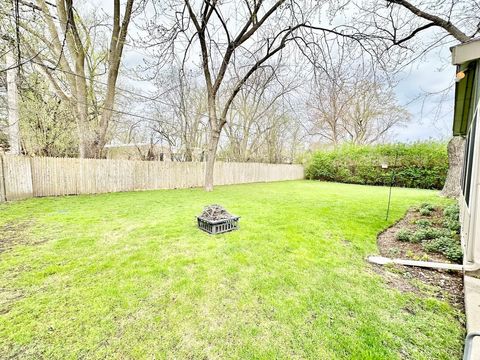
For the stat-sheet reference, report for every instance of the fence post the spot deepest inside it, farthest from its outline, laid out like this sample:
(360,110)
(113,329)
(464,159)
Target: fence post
(3,191)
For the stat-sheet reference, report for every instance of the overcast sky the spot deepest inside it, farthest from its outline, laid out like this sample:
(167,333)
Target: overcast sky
(431,116)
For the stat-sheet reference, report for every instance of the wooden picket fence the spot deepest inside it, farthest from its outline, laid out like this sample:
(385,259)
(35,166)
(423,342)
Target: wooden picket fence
(23,177)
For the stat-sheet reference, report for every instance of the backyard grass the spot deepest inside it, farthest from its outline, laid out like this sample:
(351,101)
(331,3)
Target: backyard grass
(129,275)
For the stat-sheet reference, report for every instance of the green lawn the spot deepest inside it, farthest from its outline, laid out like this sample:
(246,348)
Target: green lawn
(129,275)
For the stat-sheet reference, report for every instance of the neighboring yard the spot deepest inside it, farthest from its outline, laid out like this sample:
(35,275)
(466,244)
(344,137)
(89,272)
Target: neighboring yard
(129,275)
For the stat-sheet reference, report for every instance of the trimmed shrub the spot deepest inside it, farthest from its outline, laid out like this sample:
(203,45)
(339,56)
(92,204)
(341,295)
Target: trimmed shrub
(418,165)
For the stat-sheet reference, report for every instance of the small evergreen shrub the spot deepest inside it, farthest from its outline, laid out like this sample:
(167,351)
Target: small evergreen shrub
(454,253)
(424,223)
(427,206)
(437,245)
(452,212)
(419,236)
(452,215)
(448,246)
(404,235)
(452,225)
(429,234)
(425,212)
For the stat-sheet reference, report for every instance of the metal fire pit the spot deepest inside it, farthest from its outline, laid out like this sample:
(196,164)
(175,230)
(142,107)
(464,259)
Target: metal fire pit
(215,219)
(218,226)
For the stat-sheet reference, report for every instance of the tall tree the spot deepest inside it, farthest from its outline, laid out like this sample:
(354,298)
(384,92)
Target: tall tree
(13,103)
(374,113)
(351,102)
(223,32)
(257,109)
(188,103)
(65,53)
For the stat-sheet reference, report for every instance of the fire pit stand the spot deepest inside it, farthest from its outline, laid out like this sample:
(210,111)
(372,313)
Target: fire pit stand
(216,220)
(218,226)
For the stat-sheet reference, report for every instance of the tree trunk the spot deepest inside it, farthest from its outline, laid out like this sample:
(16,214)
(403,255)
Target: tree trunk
(456,149)
(83,146)
(210,163)
(12,98)
(188,154)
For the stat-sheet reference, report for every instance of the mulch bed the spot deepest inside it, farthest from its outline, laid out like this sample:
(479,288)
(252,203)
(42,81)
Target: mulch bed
(441,284)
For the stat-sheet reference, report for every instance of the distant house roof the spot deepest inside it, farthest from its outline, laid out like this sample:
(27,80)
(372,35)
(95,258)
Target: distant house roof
(467,58)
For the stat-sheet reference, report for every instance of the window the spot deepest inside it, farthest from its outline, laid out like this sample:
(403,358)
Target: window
(465,162)
(469,161)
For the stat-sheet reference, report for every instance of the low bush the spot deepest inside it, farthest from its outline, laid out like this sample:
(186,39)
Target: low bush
(448,246)
(452,215)
(453,225)
(427,206)
(423,223)
(454,253)
(419,165)
(452,211)
(436,235)
(429,234)
(425,212)
(404,235)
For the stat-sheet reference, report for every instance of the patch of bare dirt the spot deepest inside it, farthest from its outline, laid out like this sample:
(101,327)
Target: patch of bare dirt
(11,235)
(7,298)
(441,284)
(16,233)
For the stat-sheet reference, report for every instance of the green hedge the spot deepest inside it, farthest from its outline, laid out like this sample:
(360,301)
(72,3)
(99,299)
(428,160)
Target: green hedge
(418,165)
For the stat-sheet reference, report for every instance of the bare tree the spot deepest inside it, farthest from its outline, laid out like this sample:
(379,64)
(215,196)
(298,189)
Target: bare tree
(256,31)
(361,112)
(255,110)
(13,103)
(189,107)
(179,113)
(9,35)
(373,113)
(351,102)
(330,99)
(281,137)
(61,46)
